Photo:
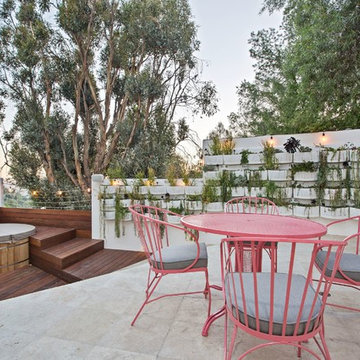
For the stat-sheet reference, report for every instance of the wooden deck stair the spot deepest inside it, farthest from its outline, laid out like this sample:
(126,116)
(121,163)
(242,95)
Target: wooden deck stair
(54,249)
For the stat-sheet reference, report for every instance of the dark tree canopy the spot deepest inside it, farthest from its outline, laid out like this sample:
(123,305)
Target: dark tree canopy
(306,73)
(95,82)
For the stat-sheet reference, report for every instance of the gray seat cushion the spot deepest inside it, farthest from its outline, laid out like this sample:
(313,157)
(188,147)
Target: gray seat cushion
(349,264)
(280,284)
(177,257)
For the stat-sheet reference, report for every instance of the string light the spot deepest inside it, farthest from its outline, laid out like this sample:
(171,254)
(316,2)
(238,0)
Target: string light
(88,190)
(34,193)
(59,193)
(271,141)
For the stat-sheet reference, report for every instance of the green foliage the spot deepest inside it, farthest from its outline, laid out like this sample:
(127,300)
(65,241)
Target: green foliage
(244,157)
(254,179)
(97,83)
(305,72)
(269,159)
(305,166)
(151,177)
(120,212)
(209,191)
(323,172)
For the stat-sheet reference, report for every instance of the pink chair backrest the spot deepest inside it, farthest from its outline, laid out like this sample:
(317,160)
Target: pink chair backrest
(153,230)
(249,204)
(277,304)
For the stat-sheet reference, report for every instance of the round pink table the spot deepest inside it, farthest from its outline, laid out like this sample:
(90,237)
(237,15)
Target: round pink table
(250,226)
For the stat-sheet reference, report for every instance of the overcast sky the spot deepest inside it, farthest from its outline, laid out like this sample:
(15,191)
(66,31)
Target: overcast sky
(224,28)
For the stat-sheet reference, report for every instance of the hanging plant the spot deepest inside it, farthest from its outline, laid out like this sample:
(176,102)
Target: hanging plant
(120,213)
(291,145)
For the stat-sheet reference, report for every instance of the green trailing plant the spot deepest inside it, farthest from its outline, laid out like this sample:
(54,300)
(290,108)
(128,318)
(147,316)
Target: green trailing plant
(322,181)
(254,180)
(178,210)
(336,200)
(209,192)
(269,159)
(244,157)
(227,181)
(120,213)
(270,189)
(193,197)
(305,166)
(171,174)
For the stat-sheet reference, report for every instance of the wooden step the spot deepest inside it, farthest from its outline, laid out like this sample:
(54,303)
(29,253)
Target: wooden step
(67,253)
(103,262)
(46,236)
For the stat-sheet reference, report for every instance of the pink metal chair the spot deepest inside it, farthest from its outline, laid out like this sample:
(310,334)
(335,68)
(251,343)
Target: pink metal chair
(255,205)
(348,270)
(282,308)
(164,258)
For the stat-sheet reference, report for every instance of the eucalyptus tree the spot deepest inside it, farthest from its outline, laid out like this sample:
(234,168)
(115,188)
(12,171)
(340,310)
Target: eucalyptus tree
(88,77)
(306,73)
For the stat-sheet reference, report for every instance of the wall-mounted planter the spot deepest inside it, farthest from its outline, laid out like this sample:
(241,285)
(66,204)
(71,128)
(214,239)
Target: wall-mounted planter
(255,159)
(173,204)
(308,212)
(214,207)
(198,182)
(211,175)
(305,193)
(278,175)
(109,203)
(194,205)
(305,176)
(286,192)
(193,190)
(232,159)
(239,173)
(126,202)
(239,191)
(258,192)
(127,217)
(336,175)
(175,190)
(173,219)
(300,157)
(162,182)
(338,157)
(354,155)
(109,215)
(214,160)
(354,211)
(285,210)
(284,158)
(330,194)
(158,190)
(334,213)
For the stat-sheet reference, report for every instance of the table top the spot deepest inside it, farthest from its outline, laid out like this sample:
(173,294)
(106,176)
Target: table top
(253,225)
(13,231)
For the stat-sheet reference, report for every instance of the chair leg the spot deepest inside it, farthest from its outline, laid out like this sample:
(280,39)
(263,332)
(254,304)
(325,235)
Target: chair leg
(232,343)
(148,295)
(207,291)
(225,335)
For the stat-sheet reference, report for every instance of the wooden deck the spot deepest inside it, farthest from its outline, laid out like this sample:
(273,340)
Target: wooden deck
(31,279)
(26,280)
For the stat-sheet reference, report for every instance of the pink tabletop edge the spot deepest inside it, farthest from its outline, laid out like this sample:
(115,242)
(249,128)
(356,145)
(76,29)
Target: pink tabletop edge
(252,225)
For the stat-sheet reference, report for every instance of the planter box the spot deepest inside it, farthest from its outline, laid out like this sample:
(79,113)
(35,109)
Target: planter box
(162,182)
(109,203)
(213,160)
(255,159)
(300,157)
(337,213)
(285,192)
(338,157)
(284,158)
(306,211)
(175,190)
(173,219)
(211,175)
(330,194)
(157,190)
(232,159)
(127,217)
(305,176)
(194,205)
(285,210)
(334,175)
(126,202)
(198,182)
(214,207)
(109,215)
(239,191)
(258,192)
(354,211)
(278,175)
(173,204)
(193,190)
(239,173)
(305,193)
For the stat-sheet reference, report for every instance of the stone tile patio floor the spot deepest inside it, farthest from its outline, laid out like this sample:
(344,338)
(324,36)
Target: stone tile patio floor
(91,320)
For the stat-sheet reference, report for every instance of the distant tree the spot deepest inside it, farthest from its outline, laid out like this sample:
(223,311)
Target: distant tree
(306,73)
(96,81)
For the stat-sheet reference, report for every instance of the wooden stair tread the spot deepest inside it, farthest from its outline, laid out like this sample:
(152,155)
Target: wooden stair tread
(70,247)
(104,262)
(44,232)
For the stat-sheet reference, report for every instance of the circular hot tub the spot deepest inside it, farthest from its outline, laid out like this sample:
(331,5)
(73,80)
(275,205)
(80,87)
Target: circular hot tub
(14,245)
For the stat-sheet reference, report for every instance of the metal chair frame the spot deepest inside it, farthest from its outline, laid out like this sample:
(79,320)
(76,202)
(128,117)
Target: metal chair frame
(152,227)
(255,205)
(346,281)
(307,308)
